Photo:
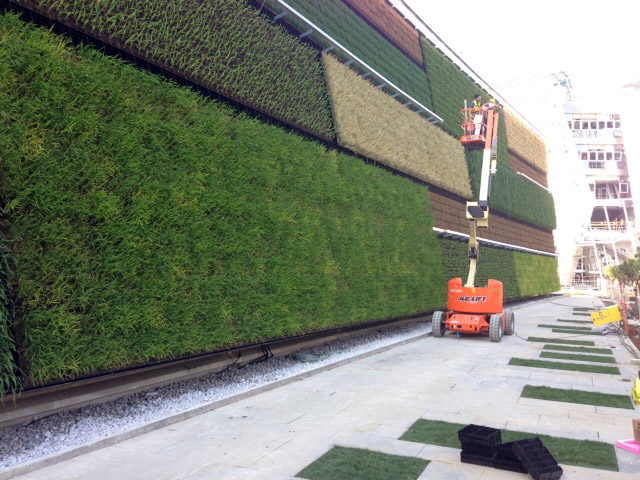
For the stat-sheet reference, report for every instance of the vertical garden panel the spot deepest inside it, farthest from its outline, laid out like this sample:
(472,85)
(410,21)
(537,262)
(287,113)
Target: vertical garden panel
(146,222)
(223,45)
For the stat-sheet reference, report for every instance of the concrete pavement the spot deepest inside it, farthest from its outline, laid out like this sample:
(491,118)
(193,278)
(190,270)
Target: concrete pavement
(370,403)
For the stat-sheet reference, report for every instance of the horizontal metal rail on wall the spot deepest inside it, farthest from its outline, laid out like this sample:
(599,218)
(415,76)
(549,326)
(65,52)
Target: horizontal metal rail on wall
(453,235)
(533,181)
(369,72)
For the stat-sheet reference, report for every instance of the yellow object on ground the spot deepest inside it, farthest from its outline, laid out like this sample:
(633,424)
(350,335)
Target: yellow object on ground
(608,315)
(635,392)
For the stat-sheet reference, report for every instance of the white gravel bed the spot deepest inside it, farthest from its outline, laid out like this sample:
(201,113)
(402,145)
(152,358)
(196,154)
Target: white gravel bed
(66,430)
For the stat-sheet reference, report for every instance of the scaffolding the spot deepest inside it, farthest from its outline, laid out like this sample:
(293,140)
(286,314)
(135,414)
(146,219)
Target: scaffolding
(611,235)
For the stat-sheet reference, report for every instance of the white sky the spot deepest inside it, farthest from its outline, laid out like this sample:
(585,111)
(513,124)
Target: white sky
(509,42)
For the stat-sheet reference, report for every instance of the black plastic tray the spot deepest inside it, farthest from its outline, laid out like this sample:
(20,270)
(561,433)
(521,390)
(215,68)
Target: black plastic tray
(538,461)
(477,449)
(476,459)
(485,436)
(505,459)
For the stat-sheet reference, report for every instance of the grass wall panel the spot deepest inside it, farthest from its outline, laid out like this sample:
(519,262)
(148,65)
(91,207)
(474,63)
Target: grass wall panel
(372,123)
(339,21)
(389,21)
(224,45)
(494,263)
(525,143)
(537,275)
(522,274)
(147,223)
(450,87)
(9,378)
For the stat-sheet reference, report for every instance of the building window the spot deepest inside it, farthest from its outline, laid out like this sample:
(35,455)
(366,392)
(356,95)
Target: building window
(600,155)
(609,124)
(600,125)
(576,125)
(584,156)
(618,156)
(593,125)
(592,155)
(624,187)
(609,156)
(596,165)
(585,125)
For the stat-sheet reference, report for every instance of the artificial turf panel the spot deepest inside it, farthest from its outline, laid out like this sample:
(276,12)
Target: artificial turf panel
(146,222)
(577,396)
(583,309)
(578,357)
(341,463)
(577,329)
(577,332)
(560,341)
(572,367)
(586,322)
(582,453)
(604,351)
(582,314)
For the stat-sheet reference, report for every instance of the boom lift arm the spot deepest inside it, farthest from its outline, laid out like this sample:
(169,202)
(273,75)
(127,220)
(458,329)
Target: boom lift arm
(471,308)
(478,212)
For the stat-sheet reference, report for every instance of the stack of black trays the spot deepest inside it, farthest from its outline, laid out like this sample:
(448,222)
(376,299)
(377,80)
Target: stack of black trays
(479,444)
(483,446)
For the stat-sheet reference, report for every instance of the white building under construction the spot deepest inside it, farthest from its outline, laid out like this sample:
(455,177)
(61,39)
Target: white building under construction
(611,234)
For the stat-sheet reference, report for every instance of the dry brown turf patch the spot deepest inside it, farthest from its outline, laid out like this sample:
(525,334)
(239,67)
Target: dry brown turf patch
(525,143)
(373,124)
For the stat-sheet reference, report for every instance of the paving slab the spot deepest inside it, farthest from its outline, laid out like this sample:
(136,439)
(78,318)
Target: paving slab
(370,402)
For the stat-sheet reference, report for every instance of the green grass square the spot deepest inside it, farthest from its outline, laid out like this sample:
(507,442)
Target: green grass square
(578,357)
(572,367)
(574,331)
(341,463)
(566,348)
(582,453)
(560,341)
(566,327)
(577,396)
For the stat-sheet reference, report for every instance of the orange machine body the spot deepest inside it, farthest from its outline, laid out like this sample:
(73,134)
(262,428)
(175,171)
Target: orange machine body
(470,308)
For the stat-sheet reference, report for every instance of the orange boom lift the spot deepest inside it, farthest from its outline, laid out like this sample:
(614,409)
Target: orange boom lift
(471,308)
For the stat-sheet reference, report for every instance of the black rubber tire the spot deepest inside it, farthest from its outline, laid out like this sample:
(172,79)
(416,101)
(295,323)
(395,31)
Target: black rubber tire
(510,326)
(437,324)
(495,327)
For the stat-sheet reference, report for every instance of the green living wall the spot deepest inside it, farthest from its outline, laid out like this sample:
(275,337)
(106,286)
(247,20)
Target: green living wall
(224,45)
(9,379)
(511,194)
(522,274)
(537,274)
(450,87)
(340,22)
(146,222)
